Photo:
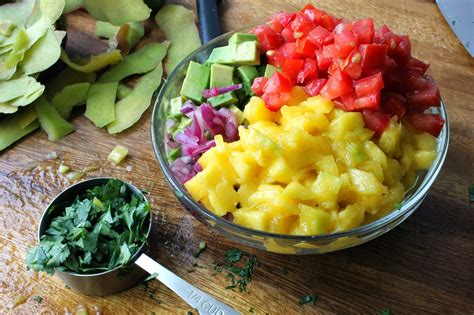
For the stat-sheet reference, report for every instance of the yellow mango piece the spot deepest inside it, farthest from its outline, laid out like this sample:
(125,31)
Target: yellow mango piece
(296,190)
(406,158)
(394,172)
(245,191)
(297,95)
(282,224)
(327,164)
(223,199)
(366,183)
(326,188)
(375,153)
(245,166)
(207,179)
(317,104)
(256,111)
(424,141)
(374,168)
(352,216)
(252,218)
(313,221)
(389,140)
(423,159)
(279,171)
(344,124)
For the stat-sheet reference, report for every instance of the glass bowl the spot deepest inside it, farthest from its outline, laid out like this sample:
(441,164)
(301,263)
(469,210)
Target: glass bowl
(279,243)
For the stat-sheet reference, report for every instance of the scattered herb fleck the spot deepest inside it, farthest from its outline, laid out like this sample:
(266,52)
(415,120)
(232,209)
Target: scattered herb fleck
(101,230)
(385,312)
(471,193)
(308,299)
(151,277)
(150,292)
(189,313)
(196,265)
(397,206)
(239,270)
(37,299)
(251,310)
(284,271)
(202,247)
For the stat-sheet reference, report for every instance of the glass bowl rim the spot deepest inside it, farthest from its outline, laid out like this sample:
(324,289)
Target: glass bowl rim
(406,205)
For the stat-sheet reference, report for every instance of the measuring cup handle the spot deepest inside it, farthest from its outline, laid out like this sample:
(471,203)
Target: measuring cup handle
(200,300)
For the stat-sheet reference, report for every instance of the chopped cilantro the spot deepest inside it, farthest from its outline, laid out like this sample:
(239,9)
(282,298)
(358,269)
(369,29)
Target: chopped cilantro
(471,193)
(151,277)
(385,312)
(100,230)
(308,299)
(202,247)
(239,270)
(37,299)
(251,310)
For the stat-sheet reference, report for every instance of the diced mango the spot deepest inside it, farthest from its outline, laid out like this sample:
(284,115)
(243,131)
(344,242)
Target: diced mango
(352,216)
(423,159)
(313,221)
(255,110)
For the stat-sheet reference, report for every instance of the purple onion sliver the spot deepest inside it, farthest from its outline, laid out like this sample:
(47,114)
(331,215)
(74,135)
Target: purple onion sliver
(230,88)
(208,93)
(197,167)
(188,108)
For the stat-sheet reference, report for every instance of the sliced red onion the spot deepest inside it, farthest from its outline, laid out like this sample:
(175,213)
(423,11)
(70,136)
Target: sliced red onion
(183,169)
(188,108)
(215,91)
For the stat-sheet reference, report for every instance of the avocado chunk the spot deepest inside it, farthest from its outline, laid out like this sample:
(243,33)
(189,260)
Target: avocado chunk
(185,121)
(239,115)
(174,154)
(269,70)
(221,75)
(246,53)
(247,74)
(223,99)
(196,80)
(175,107)
(238,38)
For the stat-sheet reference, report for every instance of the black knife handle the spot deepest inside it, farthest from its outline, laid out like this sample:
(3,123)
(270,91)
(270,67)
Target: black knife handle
(208,16)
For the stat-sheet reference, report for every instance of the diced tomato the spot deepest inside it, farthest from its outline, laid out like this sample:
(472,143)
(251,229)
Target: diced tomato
(267,38)
(373,55)
(323,60)
(320,36)
(415,63)
(383,35)
(418,83)
(364,30)
(345,42)
(394,105)
(431,123)
(315,86)
(309,71)
(258,84)
(313,14)
(401,50)
(337,64)
(278,83)
(288,34)
(353,64)
(289,51)
(375,121)
(419,101)
(370,101)
(347,101)
(276,58)
(301,25)
(274,101)
(338,84)
(305,47)
(281,20)
(292,67)
(369,85)
(328,22)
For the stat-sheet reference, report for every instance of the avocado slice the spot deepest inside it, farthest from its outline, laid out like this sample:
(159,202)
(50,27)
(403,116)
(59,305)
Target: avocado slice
(223,99)
(247,74)
(175,107)
(239,115)
(246,53)
(238,38)
(196,80)
(185,121)
(221,75)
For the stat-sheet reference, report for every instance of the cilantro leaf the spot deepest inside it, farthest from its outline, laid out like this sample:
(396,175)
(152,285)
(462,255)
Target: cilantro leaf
(308,299)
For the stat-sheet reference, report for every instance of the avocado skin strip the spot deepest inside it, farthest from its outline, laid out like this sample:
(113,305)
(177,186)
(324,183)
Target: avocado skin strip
(51,121)
(100,106)
(11,129)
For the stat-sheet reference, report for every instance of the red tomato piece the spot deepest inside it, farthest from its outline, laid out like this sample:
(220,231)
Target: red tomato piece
(418,83)
(289,51)
(369,85)
(370,101)
(431,123)
(278,83)
(329,22)
(258,85)
(415,63)
(383,36)
(375,121)
(274,101)
(267,38)
(288,34)
(320,36)
(292,67)
(395,105)
(352,65)
(345,42)
(419,101)
(338,84)
(323,60)
(401,50)
(373,55)
(315,86)
(364,30)
(281,20)
(309,71)
(348,101)
(301,25)
(313,14)
(276,58)
(305,47)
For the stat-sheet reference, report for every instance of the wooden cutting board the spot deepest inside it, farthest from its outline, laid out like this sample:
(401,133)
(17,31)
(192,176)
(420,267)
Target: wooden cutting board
(424,266)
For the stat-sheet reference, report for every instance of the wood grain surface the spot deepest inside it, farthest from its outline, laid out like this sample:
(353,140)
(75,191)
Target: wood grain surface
(424,266)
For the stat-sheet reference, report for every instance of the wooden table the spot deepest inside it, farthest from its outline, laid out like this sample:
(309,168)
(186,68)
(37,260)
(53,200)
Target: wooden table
(424,266)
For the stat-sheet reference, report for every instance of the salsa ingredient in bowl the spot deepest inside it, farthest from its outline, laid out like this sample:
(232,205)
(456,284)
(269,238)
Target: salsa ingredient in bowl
(99,231)
(310,124)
